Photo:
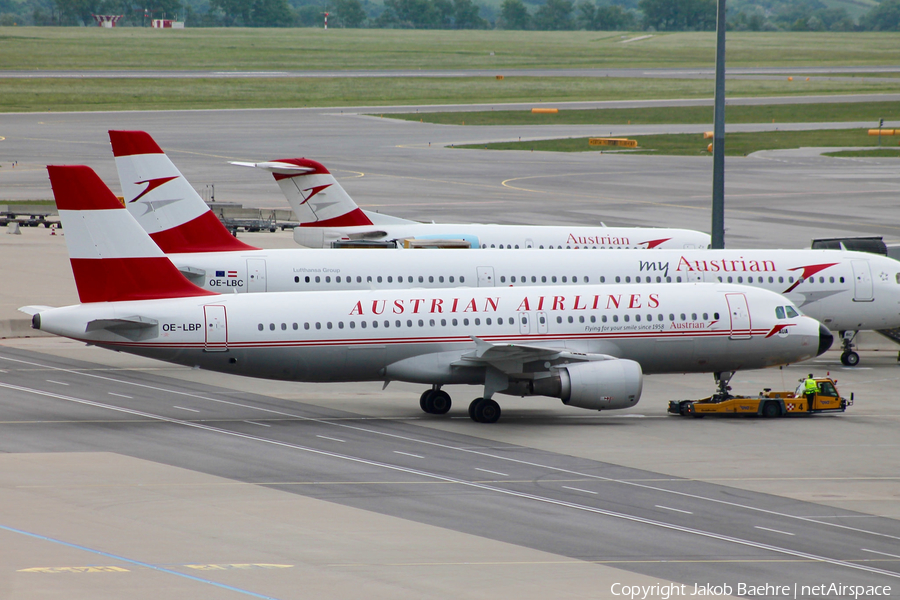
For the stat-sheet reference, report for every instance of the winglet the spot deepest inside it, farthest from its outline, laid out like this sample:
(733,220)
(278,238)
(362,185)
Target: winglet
(112,257)
(159,197)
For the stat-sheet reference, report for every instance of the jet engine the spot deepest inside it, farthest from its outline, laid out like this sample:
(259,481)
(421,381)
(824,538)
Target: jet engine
(605,384)
(594,385)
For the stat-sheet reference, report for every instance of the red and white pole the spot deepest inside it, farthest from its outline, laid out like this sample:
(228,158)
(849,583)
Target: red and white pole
(326,20)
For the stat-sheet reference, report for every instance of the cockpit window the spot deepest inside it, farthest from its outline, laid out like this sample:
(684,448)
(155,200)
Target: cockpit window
(791,312)
(779,312)
(897,277)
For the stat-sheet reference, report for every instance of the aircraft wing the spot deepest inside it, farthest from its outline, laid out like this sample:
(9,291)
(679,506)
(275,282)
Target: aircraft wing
(512,358)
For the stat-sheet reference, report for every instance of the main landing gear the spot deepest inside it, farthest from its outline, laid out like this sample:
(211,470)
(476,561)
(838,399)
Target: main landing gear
(849,358)
(437,402)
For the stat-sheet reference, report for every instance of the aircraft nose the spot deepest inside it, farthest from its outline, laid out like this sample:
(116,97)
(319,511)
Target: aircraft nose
(825,339)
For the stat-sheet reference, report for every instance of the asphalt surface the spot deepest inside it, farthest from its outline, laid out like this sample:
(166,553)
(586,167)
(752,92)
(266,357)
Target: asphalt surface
(123,476)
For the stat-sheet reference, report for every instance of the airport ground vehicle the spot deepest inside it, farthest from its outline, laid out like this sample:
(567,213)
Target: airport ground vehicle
(767,403)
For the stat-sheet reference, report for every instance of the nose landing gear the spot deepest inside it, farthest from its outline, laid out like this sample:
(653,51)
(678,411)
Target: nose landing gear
(849,358)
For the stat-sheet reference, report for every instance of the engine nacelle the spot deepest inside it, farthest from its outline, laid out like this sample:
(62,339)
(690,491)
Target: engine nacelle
(601,385)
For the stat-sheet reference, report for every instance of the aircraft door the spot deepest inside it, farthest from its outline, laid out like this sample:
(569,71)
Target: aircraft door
(694,276)
(216,328)
(529,243)
(542,322)
(740,316)
(485,276)
(524,323)
(256,275)
(862,281)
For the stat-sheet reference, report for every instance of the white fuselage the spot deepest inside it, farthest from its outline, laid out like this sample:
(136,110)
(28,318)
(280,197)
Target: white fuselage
(844,290)
(425,335)
(511,236)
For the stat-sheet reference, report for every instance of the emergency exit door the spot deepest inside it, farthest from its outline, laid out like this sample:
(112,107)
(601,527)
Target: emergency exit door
(862,281)
(256,275)
(485,276)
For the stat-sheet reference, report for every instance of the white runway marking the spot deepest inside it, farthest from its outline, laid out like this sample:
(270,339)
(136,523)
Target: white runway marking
(773,530)
(121,395)
(882,553)
(255,423)
(687,512)
(188,409)
(325,437)
(56,382)
(408,454)
(579,490)
(493,472)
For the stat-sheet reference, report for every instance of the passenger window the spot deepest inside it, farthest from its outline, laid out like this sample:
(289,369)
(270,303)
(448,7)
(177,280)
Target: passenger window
(390,279)
(478,321)
(534,279)
(328,279)
(318,325)
(503,279)
(740,279)
(790,280)
(466,322)
(374,324)
(842,280)
(637,279)
(295,327)
(771,279)
(451,279)
(618,279)
(821,280)
(359,279)
(706,316)
(409,323)
(318,279)
(431,279)
(571,320)
(593,318)
(628,279)
(553,279)
(542,320)
(581,319)
(441,279)
(603,318)
(544,278)
(328,325)
(431,322)
(564,279)
(296,279)
(791,313)
(683,317)
(455,322)
(487,321)
(340,324)
(306,326)
(352,324)
(271,326)
(307,278)
(362,324)
(637,318)
(730,279)
(421,323)
(671,317)
(421,279)
(602,279)
(337,279)
(669,279)
(779,312)
(559,319)
(260,326)
(627,318)
(693,316)
(284,326)
(678,279)
(716,316)
(615,318)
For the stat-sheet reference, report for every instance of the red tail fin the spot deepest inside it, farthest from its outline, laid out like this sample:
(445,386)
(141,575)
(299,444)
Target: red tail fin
(112,258)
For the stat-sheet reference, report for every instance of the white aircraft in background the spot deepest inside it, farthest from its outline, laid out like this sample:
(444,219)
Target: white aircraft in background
(327,213)
(847,291)
(520,341)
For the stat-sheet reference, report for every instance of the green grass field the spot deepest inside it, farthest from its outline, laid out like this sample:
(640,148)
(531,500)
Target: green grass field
(29,95)
(91,48)
(736,144)
(883,152)
(779,113)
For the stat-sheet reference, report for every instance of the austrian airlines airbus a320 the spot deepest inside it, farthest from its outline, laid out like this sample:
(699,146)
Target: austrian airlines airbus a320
(327,213)
(588,345)
(847,291)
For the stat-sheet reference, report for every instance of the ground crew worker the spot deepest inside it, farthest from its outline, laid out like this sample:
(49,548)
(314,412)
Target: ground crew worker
(810,387)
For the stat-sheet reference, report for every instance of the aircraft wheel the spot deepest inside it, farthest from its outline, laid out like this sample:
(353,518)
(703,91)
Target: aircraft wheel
(472,408)
(440,402)
(425,401)
(487,411)
(850,359)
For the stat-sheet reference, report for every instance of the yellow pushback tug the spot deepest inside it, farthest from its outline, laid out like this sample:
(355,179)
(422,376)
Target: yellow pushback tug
(768,403)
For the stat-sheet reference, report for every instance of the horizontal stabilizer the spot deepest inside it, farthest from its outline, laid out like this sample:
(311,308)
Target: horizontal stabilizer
(34,309)
(135,322)
(281,168)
